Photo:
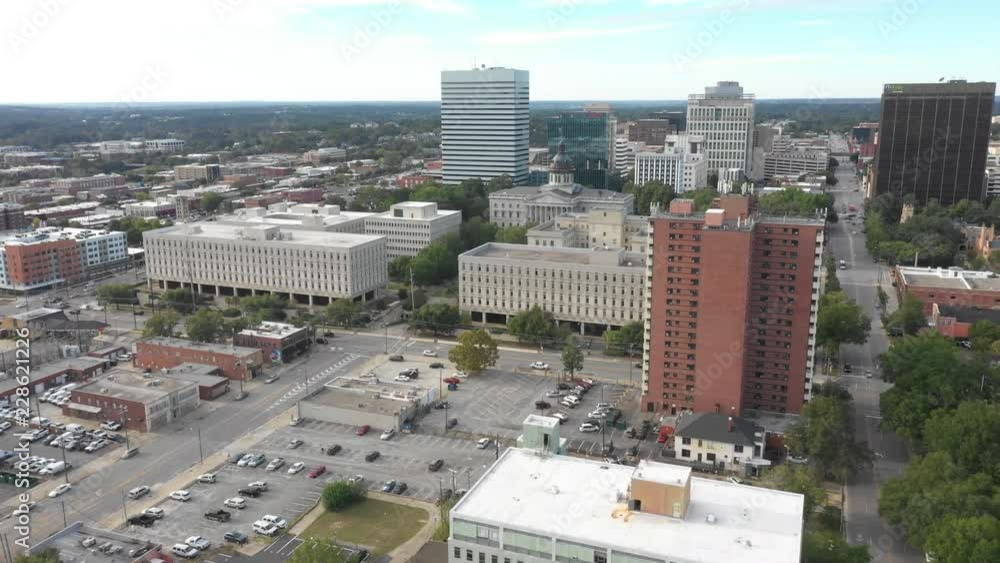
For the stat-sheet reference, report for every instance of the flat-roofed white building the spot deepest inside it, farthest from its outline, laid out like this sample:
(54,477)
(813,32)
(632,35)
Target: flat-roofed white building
(311,267)
(598,288)
(681,165)
(532,506)
(153,209)
(165,145)
(305,216)
(600,228)
(411,226)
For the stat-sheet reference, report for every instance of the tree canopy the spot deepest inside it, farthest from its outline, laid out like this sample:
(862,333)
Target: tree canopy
(840,321)
(475,352)
(163,323)
(825,434)
(342,312)
(794,201)
(117,294)
(626,340)
(340,494)
(534,325)
(436,318)
(649,193)
(205,325)
(572,357)
(909,317)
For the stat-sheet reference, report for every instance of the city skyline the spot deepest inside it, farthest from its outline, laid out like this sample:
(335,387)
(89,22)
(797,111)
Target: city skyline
(351,50)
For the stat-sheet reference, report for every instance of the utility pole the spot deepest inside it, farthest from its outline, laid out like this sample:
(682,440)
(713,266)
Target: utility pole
(412,297)
(201,453)
(124,512)
(65,466)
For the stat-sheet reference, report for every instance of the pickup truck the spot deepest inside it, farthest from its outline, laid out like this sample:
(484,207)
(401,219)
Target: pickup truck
(218,515)
(144,520)
(252,492)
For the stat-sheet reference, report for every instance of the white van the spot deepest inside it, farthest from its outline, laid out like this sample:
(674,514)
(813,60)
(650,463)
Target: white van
(75,428)
(54,468)
(138,492)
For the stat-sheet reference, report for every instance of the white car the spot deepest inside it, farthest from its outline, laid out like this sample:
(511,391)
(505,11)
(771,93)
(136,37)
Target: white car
(184,550)
(296,467)
(294,443)
(356,480)
(94,446)
(483,443)
(262,485)
(264,528)
(60,490)
(245,460)
(589,427)
(430,353)
(111,425)
(602,406)
(181,495)
(460,375)
(208,478)
(239,503)
(539,365)
(387,434)
(563,417)
(198,542)
(403,378)
(277,521)
(797,459)
(275,464)
(154,511)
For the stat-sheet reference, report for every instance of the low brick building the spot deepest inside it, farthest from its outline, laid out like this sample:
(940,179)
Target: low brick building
(955,322)
(235,362)
(280,342)
(143,402)
(210,384)
(949,286)
(57,373)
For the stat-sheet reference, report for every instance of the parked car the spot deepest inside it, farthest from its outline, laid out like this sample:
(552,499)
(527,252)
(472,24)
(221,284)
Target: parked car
(245,460)
(154,511)
(430,353)
(252,492)
(218,515)
(236,502)
(452,422)
(294,443)
(539,365)
(435,465)
(206,478)
(400,488)
(112,425)
(454,380)
(184,550)
(257,460)
(275,464)
(395,358)
(563,417)
(295,421)
(363,429)
(387,434)
(277,521)
(181,495)
(332,450)
(372,456)
(143,520)
(483,443)
(236,537)
(262,485)
(590,427)
(437,365)
(542,405)
(389,486)
(296,467)
(402,378)
(60,490)
(264,528)
(317,471)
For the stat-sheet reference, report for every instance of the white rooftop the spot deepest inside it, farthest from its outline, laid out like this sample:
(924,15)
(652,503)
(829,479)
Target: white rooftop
(584,501)
(272,330)
(662,473)
(297,237)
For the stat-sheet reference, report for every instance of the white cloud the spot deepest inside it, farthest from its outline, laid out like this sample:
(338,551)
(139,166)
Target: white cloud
(514,37)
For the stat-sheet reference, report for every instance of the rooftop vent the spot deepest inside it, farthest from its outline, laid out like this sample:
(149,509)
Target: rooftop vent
(710,519)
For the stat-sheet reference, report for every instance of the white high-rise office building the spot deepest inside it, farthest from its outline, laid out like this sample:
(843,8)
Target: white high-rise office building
(724,116)
(484,124)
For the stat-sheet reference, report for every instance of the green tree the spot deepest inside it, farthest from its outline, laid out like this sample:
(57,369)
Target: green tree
(437,262)
(475,352)
(258,308)
(210,202)
(477,232)
(534,325)
(703,198)
(840,321)
(342,312)
(340,494)
(650,193)
(910,317)
(970,539)
(513,234)
(399,269)
(968,434)
(116,294)
(793,201)
(983,334)
(143,196)
(181,300)
(205,325)
(50,555)
(501,182)
(162,323)
(625,341)
(572,357)
(928,372)
(797,479)
(825,433)
(828,547)
(436,318)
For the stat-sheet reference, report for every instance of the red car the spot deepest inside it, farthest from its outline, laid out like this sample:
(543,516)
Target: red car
(364,430)
(454,380)
(317,471)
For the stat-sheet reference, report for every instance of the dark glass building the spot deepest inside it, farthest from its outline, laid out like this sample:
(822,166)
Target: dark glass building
(590,144)
(933,140)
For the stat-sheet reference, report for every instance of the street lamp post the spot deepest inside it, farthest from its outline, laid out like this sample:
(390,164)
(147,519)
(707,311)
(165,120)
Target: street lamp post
(201,452)
(446,416)
(65,466)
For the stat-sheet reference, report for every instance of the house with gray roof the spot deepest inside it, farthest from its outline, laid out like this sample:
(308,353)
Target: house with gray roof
(729,443)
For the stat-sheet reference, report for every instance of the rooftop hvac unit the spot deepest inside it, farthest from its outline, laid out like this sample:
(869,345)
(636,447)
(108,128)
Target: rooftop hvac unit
(104,390)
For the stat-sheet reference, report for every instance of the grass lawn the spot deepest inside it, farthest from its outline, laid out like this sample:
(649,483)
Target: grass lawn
(375,523)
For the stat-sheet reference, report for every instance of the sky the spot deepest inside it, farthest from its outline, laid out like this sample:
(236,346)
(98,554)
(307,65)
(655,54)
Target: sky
(60,51)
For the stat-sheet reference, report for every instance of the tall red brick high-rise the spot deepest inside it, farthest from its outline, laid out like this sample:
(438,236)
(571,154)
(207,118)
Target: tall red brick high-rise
(731,306)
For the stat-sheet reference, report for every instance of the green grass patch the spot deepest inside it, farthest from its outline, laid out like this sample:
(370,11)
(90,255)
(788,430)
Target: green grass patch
(380,525)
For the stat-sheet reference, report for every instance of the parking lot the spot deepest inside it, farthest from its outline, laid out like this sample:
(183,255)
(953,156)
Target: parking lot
(404,458)
(496,403)
(40,449)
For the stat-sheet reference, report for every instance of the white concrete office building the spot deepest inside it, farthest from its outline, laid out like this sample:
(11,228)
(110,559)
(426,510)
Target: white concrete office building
(153,209)
(533,506)
(724,115)
(484,124)
(594,289)
(165,145)
(310,267)
(412,226)
(302,216)
(600,228)
(681,165)
(795,162)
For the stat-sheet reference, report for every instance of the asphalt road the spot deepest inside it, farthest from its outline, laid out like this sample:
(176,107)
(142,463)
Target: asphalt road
(864,526)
